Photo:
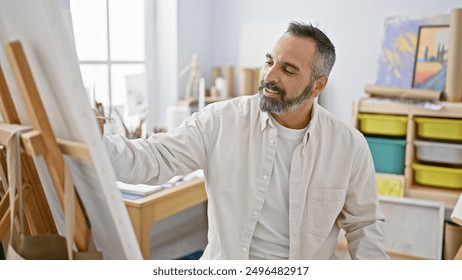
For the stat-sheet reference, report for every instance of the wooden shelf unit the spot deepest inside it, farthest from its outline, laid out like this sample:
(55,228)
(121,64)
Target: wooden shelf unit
(381,106)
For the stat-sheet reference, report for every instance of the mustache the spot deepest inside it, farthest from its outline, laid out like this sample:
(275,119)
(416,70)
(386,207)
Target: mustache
(272,87)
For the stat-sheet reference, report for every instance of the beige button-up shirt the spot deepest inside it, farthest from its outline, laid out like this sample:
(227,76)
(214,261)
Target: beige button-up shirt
(332,179)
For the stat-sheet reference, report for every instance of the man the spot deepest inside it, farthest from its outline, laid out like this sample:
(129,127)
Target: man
(282,174)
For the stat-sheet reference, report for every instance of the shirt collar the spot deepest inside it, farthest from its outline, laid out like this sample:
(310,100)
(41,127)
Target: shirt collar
(313,122)
(264,120)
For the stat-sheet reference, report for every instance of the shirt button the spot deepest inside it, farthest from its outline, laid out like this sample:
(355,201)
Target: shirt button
(272,140)
(255,213)
(244,250)
(265,177)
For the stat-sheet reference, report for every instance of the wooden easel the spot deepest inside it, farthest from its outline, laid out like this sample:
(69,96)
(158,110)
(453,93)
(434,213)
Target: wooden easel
(41,141)
(37,211)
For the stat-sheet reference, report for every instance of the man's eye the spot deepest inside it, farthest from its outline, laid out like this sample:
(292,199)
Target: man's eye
(289,72)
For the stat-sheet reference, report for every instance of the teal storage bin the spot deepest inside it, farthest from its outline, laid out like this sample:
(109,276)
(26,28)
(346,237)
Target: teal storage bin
(388,154)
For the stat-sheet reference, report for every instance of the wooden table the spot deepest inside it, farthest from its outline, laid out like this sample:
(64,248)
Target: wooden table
(150,209)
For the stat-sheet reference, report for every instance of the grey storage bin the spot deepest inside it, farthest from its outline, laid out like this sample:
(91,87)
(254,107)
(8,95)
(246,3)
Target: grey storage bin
(439,152)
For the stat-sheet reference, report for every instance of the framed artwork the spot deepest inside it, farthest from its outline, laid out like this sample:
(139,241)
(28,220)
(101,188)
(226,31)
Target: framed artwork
(398,50)
(431,58)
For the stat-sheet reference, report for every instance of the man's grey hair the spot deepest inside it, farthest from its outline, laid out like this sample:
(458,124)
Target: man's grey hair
(324,57)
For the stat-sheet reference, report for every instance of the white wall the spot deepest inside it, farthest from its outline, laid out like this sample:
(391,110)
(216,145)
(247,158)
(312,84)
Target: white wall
(165,61)
(183,28)
(195,35)
(354,26)
(210,28)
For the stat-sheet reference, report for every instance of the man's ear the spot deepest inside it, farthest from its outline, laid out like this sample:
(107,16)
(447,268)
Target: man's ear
(319,85)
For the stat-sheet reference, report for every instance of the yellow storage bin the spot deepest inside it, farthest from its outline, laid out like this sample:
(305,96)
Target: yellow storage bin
(383,124)
(435,128)
(438,176)
(390,185)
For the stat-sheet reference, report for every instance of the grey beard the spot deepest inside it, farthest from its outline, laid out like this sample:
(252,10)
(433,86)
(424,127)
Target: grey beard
(270,105)
(279,105)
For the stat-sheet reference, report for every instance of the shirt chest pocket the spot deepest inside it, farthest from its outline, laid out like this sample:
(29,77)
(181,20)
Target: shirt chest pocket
(322,209)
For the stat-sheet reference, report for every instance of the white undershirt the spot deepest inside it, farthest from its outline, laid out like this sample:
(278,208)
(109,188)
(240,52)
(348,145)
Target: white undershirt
(271,236)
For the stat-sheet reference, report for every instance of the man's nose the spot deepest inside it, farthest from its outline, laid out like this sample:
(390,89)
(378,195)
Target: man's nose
(271,75)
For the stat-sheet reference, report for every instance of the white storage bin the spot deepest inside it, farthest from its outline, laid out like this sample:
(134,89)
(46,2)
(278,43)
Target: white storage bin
(439,152)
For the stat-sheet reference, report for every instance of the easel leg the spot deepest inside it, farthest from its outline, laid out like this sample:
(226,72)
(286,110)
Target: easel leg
(459,254)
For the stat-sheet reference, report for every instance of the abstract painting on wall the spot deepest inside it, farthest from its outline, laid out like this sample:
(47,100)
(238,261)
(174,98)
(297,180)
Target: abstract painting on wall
(397,57)
(431,58)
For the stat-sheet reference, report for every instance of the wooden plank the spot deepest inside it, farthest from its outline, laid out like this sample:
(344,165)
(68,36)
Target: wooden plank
(4,205)
(39,121)
(75,149)
(32,142)
(374,105)
(3,166)
(38,212)
(447,195)
(5,214)
(7,108)
(34,146)
(459,254)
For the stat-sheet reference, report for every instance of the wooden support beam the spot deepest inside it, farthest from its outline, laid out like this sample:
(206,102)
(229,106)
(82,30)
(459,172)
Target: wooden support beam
(459,254)
(3,166)
(33,144)
(74,149)
(7,108)
(4,205)
(5,208)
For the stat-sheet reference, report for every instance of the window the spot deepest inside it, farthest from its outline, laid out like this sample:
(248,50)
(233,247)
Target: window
(109,37)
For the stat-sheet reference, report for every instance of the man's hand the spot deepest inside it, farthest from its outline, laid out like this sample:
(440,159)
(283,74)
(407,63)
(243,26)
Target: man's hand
(101,121)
